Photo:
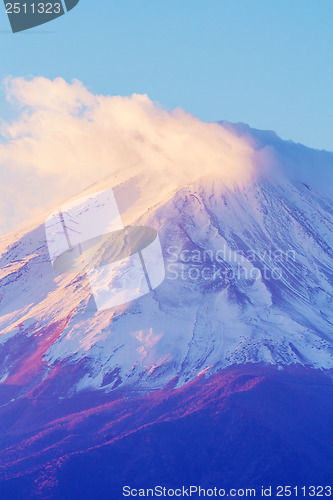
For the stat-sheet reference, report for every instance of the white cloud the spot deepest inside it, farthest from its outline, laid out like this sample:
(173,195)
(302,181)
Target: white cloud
(66,138)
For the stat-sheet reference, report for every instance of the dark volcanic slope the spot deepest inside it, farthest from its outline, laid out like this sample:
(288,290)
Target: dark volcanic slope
(244,427)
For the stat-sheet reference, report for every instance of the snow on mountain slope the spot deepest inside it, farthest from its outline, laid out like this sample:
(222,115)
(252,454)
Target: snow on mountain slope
(249,278)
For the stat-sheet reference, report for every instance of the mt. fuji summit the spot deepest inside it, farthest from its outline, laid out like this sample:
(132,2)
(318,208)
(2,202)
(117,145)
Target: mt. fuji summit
(242,321)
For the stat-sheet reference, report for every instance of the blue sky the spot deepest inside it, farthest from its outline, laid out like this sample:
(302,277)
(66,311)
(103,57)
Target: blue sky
(264,62)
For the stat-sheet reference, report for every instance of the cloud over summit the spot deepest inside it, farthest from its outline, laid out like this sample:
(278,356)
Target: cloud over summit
(66,138)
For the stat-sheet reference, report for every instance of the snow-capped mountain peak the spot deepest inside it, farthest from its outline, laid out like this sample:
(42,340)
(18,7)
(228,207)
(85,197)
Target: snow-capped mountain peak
(249,278)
